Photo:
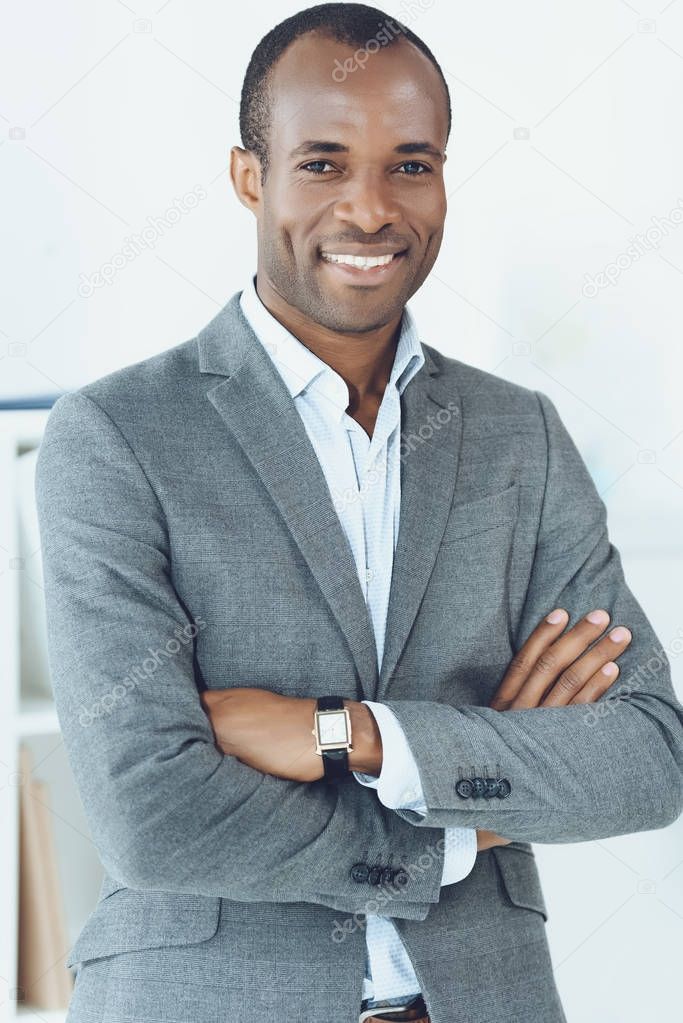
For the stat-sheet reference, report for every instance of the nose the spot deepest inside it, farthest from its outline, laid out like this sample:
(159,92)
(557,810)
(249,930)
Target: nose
(367,203)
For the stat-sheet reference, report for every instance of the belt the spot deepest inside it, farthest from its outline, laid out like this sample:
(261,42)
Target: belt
(415,1010)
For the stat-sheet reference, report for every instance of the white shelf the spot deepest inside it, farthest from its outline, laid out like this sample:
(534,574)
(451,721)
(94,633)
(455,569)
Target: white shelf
(32,1015)
(36,716)
(31,720)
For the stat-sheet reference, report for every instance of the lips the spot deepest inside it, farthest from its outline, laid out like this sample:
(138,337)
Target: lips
(364,274)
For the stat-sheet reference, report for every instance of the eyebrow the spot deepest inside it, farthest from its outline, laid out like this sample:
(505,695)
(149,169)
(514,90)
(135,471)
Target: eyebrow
(322,146)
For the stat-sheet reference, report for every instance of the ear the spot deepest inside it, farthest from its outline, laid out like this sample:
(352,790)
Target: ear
(245,174)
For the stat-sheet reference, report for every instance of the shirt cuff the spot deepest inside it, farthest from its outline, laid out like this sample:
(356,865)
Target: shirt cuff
(398,785)
(459,854)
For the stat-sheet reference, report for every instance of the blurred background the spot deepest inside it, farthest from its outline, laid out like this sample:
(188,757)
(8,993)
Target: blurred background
(561,269)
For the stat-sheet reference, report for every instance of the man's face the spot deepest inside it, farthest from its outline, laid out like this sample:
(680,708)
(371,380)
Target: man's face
(365,198)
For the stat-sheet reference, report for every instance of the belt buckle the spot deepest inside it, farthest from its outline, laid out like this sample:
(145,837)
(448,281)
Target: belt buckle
(414,1010)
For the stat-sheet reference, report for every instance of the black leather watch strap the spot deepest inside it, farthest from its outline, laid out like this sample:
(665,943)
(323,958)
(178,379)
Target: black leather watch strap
(330,703)
(336,764)
(335,761)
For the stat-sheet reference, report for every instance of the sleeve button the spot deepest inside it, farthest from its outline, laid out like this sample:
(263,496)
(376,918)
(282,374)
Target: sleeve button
(401,878)
(375,875)
(504,788)
(359,873)
(478,787)
(464,788)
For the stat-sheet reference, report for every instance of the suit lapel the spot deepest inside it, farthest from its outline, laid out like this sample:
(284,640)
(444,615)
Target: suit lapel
(257,408)
(431,424)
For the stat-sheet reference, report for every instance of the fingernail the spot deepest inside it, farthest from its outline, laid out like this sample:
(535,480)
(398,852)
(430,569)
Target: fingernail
(619,634)
(556,616)
(609,669)
(598,617)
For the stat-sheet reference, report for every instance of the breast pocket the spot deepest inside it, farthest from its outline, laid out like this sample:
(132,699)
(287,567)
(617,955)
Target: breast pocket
(482,515)
(468,601)
(126,919)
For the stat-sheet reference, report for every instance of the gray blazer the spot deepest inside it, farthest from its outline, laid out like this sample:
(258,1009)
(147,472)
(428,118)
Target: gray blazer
(189,541)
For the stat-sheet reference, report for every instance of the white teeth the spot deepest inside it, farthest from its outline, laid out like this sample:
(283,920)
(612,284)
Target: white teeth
(363,262)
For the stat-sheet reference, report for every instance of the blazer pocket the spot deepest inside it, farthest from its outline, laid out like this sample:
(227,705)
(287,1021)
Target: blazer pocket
(482,514)
(126,919)
(521,881)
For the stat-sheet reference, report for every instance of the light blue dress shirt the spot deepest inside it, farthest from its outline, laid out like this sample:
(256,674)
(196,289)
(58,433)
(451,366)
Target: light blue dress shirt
(363,477)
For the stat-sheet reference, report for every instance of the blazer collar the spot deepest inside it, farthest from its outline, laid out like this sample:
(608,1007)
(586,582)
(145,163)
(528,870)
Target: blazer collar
(284,458)
(300,367)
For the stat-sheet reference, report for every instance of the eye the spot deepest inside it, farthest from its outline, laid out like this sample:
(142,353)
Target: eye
(316,163)
(314,166)
(414,163)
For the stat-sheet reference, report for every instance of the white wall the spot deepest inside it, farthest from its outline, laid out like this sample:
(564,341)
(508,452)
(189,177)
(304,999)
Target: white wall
(566,144)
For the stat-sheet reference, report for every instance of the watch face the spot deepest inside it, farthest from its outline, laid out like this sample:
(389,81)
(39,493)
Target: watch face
(332,727)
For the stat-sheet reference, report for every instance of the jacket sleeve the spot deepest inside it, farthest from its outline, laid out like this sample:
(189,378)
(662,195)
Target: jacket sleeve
(398,785)
(166,808)
(578,772)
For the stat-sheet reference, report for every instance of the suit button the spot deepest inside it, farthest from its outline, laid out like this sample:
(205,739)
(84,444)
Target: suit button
(464,788)
(504,788)
(375,875)
(401,878)
(478,787)
(359,872)
(387,875)
(491,789)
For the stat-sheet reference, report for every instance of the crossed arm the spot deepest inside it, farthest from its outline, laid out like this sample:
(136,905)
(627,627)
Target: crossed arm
(273,733)
(577,772)
(168,810)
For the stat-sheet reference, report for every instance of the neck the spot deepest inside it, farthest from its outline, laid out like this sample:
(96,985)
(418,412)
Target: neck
(364,361)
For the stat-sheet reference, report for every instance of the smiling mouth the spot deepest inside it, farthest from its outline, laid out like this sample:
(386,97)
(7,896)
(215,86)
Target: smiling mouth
(363,266)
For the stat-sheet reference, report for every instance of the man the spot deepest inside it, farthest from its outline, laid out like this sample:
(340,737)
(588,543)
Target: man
(306,513)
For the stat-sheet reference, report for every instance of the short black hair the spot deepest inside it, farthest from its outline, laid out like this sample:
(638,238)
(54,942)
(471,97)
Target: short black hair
(356,25)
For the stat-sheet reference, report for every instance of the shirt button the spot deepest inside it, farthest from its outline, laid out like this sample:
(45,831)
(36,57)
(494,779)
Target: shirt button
(369,574)
(409,794)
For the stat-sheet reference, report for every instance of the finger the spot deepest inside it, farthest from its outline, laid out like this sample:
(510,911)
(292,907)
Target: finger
(557,657)
(598,684)
(575,677)
(523,661)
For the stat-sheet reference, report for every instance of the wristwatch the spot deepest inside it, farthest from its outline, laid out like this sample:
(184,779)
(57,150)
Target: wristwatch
(332,731)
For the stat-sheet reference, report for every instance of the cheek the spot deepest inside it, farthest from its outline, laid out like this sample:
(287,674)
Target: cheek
(437,218)
(291,235)
(436,204)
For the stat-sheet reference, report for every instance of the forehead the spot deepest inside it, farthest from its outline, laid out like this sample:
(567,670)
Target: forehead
(320,89)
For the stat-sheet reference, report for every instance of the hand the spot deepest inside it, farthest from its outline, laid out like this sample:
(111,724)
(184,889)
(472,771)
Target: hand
(486,839)
(553,670)
(267,731)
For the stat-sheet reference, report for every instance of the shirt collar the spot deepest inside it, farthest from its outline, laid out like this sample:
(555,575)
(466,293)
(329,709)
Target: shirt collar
(301,368)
